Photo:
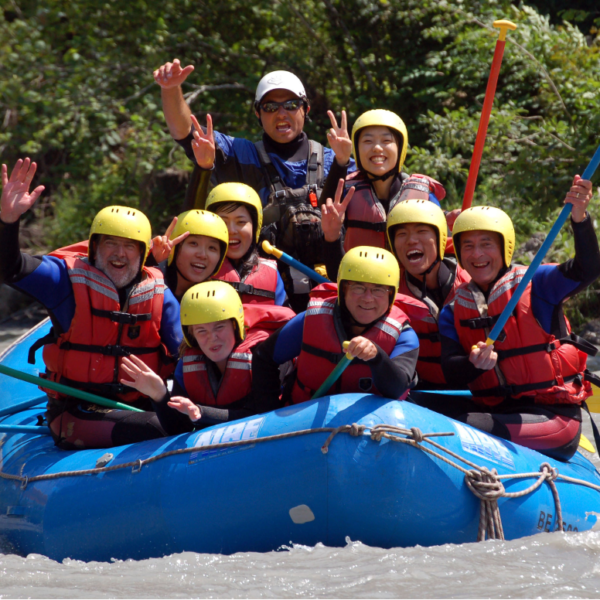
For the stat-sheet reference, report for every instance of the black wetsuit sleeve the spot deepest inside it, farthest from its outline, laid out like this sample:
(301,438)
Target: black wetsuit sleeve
(171,420)
(585,265)
(14,264)
(458,370)
(266,384)
(393,376)
(331,182)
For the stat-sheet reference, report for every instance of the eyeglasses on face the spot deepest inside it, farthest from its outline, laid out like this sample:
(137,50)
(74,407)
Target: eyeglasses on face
(289,105)
(378,291)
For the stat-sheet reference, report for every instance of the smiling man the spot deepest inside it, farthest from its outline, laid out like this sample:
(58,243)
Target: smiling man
(529,386)
(104,306)
(285,168)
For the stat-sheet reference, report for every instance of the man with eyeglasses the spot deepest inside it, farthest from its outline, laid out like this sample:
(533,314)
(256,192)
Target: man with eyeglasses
(285,168)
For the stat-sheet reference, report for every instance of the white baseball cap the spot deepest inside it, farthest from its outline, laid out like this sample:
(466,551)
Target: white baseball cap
(279,80)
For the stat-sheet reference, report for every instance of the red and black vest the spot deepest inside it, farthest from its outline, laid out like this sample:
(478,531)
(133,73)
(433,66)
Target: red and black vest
(88,355)
(429,366)
(258,287)
(531,363)
(365,216)
(322,349)
(236,382)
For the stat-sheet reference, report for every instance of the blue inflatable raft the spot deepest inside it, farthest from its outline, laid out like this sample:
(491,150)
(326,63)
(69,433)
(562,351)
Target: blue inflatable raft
(296,475)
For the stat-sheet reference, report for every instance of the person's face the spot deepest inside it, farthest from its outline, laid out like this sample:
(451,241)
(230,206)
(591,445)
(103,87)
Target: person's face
(216,340)
(239,226)
(118,258)
(198,257)
(481,256)
(282,126)
(366,302)
(416,247)
(378,150)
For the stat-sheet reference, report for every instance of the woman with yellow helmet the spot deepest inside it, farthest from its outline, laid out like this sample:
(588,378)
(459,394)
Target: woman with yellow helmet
(360,310)
(417,235)
(379,144)
(256,279)
(194,248)
(529,385)
(213,377)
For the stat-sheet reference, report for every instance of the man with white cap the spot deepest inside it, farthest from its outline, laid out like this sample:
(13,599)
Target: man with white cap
(285,167)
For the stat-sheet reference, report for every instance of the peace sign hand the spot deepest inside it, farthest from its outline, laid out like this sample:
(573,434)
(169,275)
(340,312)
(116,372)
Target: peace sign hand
(16,198)
(171,75)
(339,140)
(332,213)
(204,143)
(163,244)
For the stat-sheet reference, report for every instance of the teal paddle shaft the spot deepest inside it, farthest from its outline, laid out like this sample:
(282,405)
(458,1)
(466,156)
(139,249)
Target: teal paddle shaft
(38,429)
(539,257)
(65,389)
(292,262)
(334,375)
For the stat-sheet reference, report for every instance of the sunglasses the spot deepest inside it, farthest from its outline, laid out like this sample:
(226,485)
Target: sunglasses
(289,105)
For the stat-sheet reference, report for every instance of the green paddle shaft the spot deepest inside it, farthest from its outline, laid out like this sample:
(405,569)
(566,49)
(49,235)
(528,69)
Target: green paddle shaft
(65,389)
(335,374)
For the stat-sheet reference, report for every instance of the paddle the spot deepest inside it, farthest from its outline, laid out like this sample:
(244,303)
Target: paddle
(334,375)
(486,111)
(63,389)
(541,253)
(38,429)
(292,262)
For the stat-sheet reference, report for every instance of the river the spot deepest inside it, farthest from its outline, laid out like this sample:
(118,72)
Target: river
(547,565)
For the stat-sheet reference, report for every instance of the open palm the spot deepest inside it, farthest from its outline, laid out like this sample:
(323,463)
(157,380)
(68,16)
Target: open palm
(16,198)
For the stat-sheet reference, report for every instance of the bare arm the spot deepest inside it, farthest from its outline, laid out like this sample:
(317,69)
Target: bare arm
(177,113)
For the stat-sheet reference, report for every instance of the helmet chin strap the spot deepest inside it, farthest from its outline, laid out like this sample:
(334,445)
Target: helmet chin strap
(425,273)
(383,177)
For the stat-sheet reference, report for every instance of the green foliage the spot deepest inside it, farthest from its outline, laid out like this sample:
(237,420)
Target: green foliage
(77,92)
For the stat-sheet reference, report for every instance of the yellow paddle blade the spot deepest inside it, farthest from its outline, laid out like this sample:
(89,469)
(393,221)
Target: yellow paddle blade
(594,401)
(586,444)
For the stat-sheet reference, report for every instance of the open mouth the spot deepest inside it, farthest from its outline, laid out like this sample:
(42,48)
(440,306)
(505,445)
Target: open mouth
(198,267)
(481,265)
(117,264)
(282,126)
(378,160)
(414,255)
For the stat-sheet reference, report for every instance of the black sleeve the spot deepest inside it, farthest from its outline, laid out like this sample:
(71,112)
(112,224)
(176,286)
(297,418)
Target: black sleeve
(266,385)
(331,182)
(14,264)
(333,253)
(171,420)
(393,376)
(585,266)
(458,370)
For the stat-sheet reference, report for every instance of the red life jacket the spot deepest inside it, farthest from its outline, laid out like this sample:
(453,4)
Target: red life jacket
(89,354)
(531,363)
(429,366)
(322,350)
(258,287)
(365,216)
(236,384)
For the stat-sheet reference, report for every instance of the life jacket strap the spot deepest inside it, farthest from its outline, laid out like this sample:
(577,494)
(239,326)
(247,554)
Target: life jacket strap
(122,318)
(432,337)
(512,390)
(244,288)
(379,227)
(109,350)
(332,357)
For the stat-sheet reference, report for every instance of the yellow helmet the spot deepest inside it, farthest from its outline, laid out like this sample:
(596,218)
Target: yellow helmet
(122,221)
(486,218)
(208,302)
(369,265)
(419,211)
(238,192)
(201,222)
(382,118)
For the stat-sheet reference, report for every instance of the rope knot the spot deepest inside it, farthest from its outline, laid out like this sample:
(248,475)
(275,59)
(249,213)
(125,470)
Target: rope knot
(417,435)
(357,430)
(486,486)
(550,471)
(376,435)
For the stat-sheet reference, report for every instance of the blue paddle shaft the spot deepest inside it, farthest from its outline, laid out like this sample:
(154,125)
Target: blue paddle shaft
(541,253)
(38,429)
(311,273)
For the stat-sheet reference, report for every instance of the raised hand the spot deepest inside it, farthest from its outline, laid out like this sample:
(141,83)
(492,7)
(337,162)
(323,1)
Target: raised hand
(339,140)
(143,378)
(579,196)
(16,198)
(185,406)
(203,144)
(332,213)
(163,244)
(171,75)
